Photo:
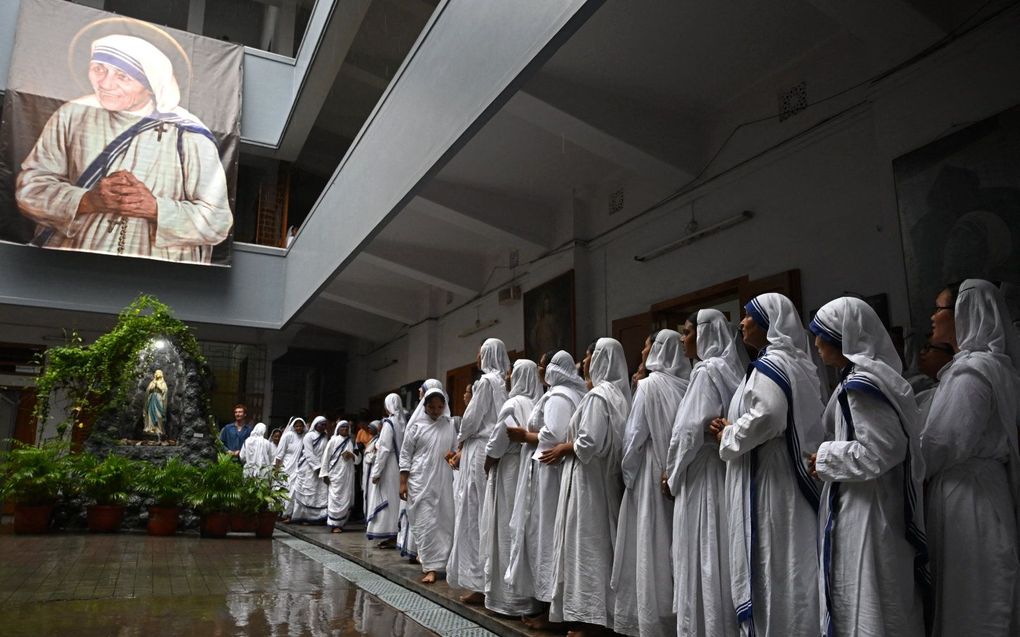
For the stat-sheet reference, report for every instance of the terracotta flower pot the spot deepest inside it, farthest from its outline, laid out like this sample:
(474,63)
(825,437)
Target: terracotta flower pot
(243,522)
(215,524)
(32,518)
(104,518)
(163,520)
(266,524)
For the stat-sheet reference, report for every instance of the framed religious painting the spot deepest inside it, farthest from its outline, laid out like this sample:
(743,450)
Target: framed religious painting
(549,317)
(959,210)
(119,137)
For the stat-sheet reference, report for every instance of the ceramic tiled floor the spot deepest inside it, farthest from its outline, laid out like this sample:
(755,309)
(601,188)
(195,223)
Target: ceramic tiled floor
(129,584)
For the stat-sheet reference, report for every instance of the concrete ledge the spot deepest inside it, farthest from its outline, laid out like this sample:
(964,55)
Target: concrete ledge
(352,545)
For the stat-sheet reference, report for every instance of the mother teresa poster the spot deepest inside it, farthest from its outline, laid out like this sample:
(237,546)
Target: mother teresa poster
(119,137)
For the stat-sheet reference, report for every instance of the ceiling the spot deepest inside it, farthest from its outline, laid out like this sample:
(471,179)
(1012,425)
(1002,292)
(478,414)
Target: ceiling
(643,92)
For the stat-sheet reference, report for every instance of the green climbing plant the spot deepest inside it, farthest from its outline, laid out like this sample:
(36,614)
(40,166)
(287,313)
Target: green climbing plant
(95,377)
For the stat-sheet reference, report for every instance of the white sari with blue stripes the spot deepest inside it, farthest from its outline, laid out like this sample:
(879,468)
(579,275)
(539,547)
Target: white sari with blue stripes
(868,546)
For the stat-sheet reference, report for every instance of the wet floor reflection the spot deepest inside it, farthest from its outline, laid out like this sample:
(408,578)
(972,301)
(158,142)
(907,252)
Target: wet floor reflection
(136,586)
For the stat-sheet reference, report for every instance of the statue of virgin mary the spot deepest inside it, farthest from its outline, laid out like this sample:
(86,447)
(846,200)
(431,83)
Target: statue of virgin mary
(155,406)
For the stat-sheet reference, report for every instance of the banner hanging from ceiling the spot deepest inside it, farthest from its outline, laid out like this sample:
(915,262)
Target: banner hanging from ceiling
(119,137)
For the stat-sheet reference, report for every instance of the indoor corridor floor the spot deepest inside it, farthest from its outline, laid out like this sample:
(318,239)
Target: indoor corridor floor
(130,584)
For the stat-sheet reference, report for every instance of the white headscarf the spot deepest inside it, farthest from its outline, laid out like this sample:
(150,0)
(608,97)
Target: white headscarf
(988,345)
(397,418)
(342,423)
(852,325)
(562,370)
(718,350)
(290,427)
(259,431)
(494,358)
(420,417)
(143,62)
(609,365)
(786,359)
(667,355)
(311,428)
(419,411)
(524,380)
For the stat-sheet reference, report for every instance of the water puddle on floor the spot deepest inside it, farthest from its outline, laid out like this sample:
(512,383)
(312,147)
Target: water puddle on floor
(130,585)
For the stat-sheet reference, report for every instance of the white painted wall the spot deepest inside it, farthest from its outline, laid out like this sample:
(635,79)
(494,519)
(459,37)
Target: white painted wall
(825,204)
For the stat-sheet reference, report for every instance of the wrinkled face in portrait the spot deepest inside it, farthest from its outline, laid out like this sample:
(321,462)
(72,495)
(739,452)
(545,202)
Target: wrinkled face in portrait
(434,407)
(116,90)
(344,430)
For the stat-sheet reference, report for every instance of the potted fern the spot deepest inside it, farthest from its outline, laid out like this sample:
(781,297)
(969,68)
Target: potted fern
(217,491)
(107,483)
(32,477)
(265,496)
(168,485)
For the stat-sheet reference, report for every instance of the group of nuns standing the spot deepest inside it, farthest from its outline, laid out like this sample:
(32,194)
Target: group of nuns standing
(319,469)
(720,496)
(734,497)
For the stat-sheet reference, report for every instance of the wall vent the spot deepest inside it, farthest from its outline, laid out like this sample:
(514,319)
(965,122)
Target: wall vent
(792,101)
(616,201)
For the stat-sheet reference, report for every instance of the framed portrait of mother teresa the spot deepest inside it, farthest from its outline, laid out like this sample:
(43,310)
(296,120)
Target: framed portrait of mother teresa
(119,137)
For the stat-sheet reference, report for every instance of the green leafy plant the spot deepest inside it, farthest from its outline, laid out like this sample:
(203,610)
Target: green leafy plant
(168,484)
(33,475)
(263,493)
(95,378)
(107,481)
(219,487)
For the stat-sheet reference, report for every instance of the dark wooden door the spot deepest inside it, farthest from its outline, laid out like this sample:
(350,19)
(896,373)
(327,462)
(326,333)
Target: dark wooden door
(632,331)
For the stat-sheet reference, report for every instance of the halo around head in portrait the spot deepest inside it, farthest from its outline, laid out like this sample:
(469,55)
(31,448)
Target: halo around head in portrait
(178,65)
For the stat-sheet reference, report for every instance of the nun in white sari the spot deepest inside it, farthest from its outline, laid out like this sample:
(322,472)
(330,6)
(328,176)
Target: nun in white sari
(427,482)
(873,561)
(257,453)
(590,493)
(970,451)
(501,489)
(774,423)
(642,577)
(467,566)
(382,512)
(405,536)
(530,569)
(696,476)
(337,471)
(311,493)
(288,455)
